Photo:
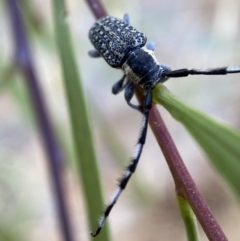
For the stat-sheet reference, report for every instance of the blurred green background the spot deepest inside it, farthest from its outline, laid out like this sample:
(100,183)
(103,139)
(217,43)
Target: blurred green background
(188,34)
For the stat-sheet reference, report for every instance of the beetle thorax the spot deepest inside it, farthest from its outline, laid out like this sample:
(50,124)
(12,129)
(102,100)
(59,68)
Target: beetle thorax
(139,66)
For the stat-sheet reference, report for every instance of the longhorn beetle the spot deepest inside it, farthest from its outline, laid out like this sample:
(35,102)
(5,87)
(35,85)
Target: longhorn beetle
(123,47)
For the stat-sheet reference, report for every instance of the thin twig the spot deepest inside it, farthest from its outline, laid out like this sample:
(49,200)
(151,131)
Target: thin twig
(24,60)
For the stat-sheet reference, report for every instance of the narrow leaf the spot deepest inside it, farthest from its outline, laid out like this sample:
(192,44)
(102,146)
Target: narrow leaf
(80,121)
(220,142)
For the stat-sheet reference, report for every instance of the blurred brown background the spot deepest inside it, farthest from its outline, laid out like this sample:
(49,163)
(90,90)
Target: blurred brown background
(188,34)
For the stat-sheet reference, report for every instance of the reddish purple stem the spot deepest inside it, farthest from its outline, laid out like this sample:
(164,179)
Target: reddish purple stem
(97,8)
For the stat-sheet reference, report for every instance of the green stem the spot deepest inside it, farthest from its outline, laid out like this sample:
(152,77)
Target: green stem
(189,219)
(80,122)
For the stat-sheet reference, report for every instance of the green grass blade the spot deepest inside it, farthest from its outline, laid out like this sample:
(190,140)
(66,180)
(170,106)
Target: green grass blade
(220,142)
(189,219)
(81,128)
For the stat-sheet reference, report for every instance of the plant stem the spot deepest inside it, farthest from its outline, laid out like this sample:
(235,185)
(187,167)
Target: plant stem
(189,219)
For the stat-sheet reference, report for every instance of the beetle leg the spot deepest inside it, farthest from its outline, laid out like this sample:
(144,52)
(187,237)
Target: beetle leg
(119,85)
(151,45)
(127,19)
(94,53)
(128,94)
